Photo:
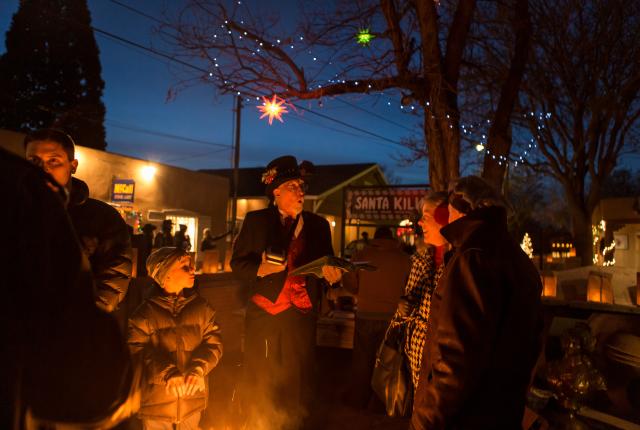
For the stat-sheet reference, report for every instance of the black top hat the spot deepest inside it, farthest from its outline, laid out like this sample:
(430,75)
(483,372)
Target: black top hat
(284,169)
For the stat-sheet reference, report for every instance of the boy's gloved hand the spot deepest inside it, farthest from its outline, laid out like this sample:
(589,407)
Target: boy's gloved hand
(193,384)
(175,385)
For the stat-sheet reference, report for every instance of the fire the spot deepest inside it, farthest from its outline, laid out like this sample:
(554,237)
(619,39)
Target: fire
(273,108)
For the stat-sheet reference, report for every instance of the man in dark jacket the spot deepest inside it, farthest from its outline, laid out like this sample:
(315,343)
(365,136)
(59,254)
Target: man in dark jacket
(281,314)
(102,231)
(484,337)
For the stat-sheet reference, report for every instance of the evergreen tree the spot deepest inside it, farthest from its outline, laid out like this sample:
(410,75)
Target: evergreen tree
(50,73)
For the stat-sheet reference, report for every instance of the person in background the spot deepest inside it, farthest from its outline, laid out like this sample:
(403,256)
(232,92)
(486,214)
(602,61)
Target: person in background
(208,242)
(146,246)
(182,239)
(179,341)
(102,232)
(282,311)
(427,266)
(484,329)
(164,237)
(378,293)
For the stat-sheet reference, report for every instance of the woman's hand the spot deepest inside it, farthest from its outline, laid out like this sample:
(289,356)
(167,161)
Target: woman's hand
(405,307)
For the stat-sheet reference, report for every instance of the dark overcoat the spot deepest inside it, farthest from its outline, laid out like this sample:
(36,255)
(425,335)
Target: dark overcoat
(484,334)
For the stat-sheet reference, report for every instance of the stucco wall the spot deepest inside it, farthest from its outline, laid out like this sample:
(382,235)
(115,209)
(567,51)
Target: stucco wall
(628,256)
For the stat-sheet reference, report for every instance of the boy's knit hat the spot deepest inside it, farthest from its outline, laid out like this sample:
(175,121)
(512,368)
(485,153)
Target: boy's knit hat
(161,260)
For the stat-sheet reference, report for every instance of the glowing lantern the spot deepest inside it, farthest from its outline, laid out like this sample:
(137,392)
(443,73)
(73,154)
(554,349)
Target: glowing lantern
(273,108)
(549,284)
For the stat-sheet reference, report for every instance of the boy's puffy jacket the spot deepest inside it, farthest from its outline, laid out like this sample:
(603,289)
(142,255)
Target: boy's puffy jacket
(176,335)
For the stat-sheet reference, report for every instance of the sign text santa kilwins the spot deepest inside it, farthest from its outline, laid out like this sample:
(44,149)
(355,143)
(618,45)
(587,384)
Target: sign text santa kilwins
(383,203)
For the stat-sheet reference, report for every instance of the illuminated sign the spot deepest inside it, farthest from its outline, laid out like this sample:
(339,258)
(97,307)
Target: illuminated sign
(122,190)
(383,203)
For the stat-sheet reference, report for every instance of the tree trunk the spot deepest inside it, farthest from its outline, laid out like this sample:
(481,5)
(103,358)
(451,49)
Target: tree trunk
(499,134)
(582,234)
(443,148)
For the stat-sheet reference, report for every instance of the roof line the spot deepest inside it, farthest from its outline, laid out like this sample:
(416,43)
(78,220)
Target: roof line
(370,164)
(375,166)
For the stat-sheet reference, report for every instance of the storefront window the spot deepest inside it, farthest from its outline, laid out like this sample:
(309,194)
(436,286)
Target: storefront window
(191,223)
(131,217)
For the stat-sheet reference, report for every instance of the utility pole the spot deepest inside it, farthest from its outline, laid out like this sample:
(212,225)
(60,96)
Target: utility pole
(236,163)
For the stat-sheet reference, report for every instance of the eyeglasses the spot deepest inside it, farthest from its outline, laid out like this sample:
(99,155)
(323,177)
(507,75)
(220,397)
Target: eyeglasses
(294,187)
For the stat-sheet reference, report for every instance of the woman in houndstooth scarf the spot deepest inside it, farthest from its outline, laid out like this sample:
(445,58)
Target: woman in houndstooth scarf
(426,267)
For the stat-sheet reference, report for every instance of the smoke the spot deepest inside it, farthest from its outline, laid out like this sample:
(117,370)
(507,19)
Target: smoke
(272,418)
(255,405)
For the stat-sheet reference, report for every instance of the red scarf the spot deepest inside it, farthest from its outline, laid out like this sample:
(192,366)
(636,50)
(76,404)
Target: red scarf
(294,292)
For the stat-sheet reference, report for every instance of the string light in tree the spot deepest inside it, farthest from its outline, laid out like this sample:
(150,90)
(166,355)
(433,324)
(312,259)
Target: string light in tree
(364,37)
(273,108)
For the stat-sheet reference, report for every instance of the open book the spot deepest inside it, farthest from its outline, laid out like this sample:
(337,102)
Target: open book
(315,267)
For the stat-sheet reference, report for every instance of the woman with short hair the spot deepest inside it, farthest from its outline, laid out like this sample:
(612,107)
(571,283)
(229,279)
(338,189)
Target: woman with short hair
(427,265)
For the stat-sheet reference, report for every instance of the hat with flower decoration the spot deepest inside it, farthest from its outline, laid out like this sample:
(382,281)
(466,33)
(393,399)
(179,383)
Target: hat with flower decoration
(284,169)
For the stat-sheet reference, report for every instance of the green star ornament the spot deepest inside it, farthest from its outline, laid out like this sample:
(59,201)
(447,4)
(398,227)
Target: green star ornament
(364,37)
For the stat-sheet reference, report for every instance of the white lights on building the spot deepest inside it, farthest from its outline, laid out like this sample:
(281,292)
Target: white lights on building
(148,172)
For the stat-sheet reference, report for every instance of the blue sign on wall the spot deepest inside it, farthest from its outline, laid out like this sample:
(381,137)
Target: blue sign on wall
(122,190)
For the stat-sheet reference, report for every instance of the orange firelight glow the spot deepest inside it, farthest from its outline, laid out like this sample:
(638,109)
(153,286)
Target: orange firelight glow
(273,108)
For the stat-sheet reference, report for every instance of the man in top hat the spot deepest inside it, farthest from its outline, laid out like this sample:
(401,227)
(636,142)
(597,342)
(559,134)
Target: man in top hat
(281,313)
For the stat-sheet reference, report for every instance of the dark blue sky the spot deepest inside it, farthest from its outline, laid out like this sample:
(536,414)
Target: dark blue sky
(135,95)
(136,86)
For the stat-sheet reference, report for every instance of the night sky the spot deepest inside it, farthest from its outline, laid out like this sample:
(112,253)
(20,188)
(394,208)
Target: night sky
(135,96)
